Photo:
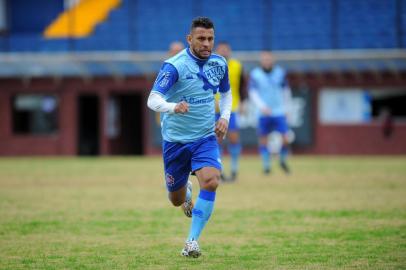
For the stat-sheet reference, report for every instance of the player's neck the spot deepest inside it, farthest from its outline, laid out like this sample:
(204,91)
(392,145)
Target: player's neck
(193,55)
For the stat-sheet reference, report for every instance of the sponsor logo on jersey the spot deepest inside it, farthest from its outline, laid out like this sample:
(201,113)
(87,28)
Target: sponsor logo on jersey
(192,100)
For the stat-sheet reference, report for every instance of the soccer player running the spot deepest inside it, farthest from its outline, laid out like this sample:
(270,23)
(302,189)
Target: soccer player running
(239,93)
(270,92)
(184,92)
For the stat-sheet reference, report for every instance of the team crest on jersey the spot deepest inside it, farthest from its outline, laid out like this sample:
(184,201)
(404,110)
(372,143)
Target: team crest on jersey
(170,180)
(215,73)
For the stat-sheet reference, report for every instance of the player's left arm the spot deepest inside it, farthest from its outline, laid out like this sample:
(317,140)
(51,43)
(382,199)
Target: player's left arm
(225,106)
(225,111)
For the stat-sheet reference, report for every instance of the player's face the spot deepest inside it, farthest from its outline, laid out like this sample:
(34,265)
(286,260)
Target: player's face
(266,60)
(201,41)
(224,50)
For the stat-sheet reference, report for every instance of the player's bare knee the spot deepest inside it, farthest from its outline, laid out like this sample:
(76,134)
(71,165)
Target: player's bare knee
(176,200)
(177,203)
(212,183)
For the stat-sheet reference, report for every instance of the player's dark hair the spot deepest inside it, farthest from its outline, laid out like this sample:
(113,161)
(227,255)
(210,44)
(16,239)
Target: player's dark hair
(202,22)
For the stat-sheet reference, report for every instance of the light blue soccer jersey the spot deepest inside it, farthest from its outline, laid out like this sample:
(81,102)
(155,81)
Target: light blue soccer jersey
(185,77)
(270,87)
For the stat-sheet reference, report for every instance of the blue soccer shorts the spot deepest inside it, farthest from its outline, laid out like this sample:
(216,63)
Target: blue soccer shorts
(267,124)
(233,122)
(180,159)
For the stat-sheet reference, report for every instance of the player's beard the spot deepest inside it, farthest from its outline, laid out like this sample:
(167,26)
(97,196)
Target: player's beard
(199,55)
(267,69)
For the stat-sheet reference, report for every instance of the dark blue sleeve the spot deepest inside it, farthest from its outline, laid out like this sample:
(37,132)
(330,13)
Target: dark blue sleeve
(225,83)
(167,77)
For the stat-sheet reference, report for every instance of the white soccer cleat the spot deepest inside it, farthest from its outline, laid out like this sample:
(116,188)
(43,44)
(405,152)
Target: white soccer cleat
(191,249)
(187,206)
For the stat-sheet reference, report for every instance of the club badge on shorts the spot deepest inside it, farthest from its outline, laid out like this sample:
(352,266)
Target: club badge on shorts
(170,180)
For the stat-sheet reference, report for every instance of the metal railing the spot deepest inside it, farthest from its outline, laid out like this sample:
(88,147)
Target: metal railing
(125,63)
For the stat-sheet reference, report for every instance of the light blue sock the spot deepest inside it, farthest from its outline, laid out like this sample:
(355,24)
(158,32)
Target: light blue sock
(234,149)
(201,213)
(284,153)
(266,157)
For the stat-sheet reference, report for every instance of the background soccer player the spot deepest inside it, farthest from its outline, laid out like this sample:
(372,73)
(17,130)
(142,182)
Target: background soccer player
(184,92)
(270,92)
(175,47)
(239,93)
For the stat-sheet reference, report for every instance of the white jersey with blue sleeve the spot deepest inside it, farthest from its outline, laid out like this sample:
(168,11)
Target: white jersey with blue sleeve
(185,77)
(270,87)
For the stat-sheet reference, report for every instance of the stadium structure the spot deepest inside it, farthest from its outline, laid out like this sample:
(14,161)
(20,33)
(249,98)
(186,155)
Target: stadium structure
(75,75)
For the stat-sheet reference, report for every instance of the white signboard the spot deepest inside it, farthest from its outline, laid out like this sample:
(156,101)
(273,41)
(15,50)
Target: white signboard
(344,106)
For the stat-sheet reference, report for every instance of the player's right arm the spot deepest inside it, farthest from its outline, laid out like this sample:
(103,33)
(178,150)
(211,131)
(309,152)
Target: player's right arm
(157,103)
(167,77)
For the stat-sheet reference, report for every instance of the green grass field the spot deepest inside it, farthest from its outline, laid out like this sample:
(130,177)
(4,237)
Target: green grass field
(113,213)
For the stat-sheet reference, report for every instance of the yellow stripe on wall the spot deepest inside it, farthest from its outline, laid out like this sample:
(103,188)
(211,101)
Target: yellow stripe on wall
(80,20)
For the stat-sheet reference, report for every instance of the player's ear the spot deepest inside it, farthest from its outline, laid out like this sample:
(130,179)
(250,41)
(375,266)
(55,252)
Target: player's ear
(189,39)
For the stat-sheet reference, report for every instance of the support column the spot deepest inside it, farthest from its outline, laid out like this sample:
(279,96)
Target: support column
(5,114)
(103,140)
(68,122)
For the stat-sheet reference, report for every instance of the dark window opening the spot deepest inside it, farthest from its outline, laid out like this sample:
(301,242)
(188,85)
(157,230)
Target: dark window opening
(389,102)
(35,114)
(125,114)
(88,121)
